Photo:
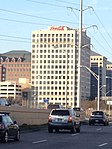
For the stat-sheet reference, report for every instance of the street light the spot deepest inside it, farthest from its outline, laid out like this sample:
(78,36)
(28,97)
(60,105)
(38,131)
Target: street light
(98,79)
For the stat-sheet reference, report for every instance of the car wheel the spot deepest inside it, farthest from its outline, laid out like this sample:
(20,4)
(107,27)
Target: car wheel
(77,130)
(50,130)
(56,130)
(5,137)
(72,129)
(17,138)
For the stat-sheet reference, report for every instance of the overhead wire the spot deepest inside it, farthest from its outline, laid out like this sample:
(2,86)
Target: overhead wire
(29,15)
(25,22)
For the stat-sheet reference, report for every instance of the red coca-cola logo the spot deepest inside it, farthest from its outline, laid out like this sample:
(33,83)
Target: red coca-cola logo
(60,28)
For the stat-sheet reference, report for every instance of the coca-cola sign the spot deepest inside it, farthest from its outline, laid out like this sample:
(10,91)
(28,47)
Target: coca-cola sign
(57,28)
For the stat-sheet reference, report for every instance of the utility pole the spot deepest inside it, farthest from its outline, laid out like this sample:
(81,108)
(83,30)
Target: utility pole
(79,56)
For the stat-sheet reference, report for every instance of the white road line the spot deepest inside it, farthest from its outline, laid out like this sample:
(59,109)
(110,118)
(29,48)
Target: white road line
(102,144)
(75,134)
(41,141)
(99,129)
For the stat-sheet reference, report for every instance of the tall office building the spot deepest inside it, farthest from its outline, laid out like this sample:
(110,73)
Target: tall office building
(54,65)
(98,66)
(109,79)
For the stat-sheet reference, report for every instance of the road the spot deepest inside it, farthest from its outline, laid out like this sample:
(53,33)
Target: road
(90,137)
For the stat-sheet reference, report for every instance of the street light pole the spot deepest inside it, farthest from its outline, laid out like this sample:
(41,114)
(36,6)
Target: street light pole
(98,89)
(79,57)
(98,102)
(66,76)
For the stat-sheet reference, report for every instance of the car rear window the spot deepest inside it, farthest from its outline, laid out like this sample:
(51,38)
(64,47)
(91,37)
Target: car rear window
(60,112)
(97,113)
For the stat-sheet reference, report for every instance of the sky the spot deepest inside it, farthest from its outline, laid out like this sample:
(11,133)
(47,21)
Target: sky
(18,18)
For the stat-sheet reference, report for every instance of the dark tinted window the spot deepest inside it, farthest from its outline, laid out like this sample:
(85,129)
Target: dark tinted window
(0,119)
(60,112)
(97,113)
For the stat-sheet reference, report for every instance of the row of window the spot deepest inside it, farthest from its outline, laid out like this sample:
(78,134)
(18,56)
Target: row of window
(53,72)
(53,82)
(17,65)
(52,56)
(52,61)
(55,93)
(53,88)
(40,40)
(42,45)
(18,70)
(53,51)
(52,77)
(52,35)
(51,66)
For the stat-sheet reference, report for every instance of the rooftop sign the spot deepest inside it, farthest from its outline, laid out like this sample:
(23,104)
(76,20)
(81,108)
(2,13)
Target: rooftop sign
(57,28)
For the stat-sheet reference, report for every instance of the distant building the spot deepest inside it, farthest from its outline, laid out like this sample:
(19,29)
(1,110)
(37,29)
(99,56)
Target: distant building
(10,90)
(98,65)
(54,63)
(17,64)
(109,79)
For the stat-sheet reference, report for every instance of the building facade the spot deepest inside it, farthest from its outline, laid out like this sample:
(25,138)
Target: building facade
(98,65)
(54,66)
(17,64)
(10,90)
(109,80)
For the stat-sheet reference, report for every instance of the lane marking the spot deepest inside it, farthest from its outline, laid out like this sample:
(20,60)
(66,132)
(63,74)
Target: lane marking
(102,144)
(99,129)
(41,141)
(75,134)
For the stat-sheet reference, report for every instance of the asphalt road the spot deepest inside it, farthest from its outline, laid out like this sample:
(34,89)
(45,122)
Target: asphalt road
(90,137)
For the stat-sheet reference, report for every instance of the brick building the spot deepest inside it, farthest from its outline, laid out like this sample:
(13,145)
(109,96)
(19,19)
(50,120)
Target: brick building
(17,64)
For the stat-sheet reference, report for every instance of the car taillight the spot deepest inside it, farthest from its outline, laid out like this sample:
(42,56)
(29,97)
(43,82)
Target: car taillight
(69,119)
(50,119)
(2,126)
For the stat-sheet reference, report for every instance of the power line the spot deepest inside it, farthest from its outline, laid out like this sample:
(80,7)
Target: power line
(28,15)
(25,22)
(102,25)
(15,37)
(15,40)
(45,3)
(68,2)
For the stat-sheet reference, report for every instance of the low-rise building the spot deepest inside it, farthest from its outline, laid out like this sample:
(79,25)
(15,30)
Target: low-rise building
(11,91)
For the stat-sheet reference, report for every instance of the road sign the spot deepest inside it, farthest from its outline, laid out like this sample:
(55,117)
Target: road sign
(46,100)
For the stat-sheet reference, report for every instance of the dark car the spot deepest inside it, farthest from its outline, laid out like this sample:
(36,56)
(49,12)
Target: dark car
(99,117)
(60,119)
(8,128)
(54,106)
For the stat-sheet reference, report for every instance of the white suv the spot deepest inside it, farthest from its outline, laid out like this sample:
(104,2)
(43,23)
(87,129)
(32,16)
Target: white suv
(63,119)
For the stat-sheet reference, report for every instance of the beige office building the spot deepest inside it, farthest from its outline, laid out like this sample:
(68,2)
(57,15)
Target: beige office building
(54,65)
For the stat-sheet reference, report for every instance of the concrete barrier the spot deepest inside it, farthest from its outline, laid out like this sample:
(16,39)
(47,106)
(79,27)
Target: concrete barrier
(27,115)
